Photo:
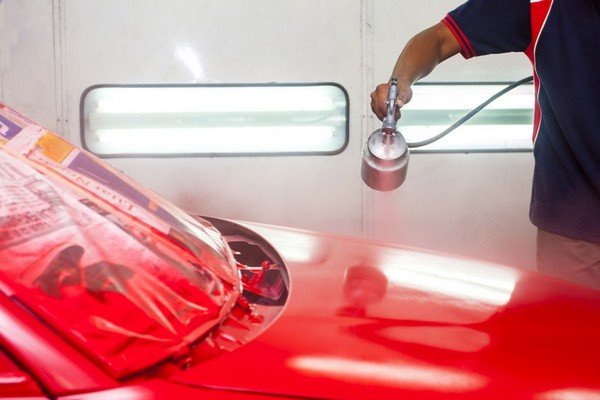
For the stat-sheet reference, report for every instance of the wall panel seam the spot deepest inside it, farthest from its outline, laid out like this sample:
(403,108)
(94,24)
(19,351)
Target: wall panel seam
(368,79)
(60,70)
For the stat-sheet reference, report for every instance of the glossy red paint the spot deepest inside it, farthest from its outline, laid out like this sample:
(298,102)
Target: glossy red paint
(370,321)
(45,355)
(161,389)
(15,382)
(365,320)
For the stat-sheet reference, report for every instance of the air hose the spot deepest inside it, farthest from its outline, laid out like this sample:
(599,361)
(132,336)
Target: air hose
(470,114)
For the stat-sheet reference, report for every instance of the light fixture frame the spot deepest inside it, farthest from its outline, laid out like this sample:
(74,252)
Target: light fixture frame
(339,149)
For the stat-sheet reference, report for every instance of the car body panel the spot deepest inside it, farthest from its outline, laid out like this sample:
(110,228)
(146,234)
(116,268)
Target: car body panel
(370,321)
(15,382)
(43,353)
(159,389)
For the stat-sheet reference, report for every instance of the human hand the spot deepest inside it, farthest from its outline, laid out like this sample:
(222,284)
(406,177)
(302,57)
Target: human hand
(380,96)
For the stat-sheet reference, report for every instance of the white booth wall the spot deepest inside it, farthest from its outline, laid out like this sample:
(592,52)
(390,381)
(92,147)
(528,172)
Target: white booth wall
(473,204)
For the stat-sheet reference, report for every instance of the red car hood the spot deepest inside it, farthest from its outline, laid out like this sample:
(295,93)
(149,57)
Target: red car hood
(371,321)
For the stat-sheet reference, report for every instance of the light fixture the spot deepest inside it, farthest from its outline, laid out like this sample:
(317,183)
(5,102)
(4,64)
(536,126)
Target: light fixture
(215,119)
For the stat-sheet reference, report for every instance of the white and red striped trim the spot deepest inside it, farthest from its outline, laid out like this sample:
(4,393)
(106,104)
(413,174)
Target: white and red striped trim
(467,48)
(539,11)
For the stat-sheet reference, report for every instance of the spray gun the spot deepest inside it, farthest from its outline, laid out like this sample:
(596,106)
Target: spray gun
(385,153)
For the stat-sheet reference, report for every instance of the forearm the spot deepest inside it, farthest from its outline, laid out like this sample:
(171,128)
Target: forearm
(420,56)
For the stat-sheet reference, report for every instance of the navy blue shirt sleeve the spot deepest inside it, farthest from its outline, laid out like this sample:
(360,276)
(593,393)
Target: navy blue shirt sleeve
(491,26)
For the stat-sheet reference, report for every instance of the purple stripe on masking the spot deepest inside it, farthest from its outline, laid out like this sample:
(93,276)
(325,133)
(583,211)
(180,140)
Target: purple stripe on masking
(86,166)
(8,129)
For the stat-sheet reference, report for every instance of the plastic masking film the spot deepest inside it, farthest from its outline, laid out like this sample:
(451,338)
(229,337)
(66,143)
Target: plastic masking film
(124,275)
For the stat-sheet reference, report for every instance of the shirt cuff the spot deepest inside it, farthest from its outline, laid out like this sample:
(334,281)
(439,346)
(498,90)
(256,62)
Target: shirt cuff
(467,49)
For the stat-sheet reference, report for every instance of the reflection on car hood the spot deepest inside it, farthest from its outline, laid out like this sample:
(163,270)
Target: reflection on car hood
(118,271)
(371,321)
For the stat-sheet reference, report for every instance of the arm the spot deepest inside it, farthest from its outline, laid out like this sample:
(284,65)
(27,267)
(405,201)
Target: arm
(420,56)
